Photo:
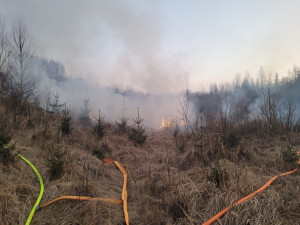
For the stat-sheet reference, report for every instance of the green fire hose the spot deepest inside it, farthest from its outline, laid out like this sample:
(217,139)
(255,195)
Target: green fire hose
(41,191)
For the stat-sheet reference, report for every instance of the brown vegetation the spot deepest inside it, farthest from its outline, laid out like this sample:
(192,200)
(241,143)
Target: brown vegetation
(165,185)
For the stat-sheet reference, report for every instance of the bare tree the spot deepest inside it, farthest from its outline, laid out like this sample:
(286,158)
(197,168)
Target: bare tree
(288,117)
(3,43)
(262,77)
(269,110)
(23,85)
(182,138)
(85,112)
(47,97)
(4,58)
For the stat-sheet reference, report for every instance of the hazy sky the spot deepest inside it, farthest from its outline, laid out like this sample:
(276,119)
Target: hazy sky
(162,46)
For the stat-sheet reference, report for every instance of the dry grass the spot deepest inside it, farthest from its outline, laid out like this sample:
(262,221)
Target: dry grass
(165,186)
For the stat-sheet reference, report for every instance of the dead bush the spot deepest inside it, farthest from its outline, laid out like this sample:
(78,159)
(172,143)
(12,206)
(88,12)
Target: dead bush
(218,175)
(289,155)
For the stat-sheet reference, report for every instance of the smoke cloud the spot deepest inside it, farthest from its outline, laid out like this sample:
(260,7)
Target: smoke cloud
(105,42)
(154,47)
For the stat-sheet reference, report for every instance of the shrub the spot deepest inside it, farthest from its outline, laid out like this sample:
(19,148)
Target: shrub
(178,204)
(296,127)
(6,149)
(181,140)
(218,175)
(176,131)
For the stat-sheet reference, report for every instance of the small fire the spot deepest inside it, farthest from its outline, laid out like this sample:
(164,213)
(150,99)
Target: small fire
(171,123)
(183,122)
(166,123)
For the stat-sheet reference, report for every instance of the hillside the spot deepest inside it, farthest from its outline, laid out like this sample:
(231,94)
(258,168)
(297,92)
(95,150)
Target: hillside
(168,113)
(165,185)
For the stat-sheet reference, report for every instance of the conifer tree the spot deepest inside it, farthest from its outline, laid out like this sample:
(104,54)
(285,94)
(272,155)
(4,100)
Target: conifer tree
(56,105)
(85,112)
(56,162)
(136,134)
(99,128)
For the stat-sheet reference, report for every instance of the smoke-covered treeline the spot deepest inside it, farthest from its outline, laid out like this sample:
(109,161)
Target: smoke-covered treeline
(28,79)
(269,104)
(48,69)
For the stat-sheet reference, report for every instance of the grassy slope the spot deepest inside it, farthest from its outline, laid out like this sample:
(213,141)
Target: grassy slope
(164,185)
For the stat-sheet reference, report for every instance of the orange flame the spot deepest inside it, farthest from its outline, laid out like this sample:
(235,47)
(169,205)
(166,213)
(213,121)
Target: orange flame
(183,122)
(171,123)
(166,123)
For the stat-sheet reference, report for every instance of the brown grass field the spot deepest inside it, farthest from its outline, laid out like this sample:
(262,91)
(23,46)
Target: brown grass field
(165,186)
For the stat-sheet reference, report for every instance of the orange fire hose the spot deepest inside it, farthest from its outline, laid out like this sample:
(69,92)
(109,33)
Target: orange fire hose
(222,213)
(124,191)
(115,201)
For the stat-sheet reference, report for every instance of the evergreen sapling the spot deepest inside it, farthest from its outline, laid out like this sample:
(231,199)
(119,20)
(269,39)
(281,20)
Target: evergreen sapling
(136,134)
